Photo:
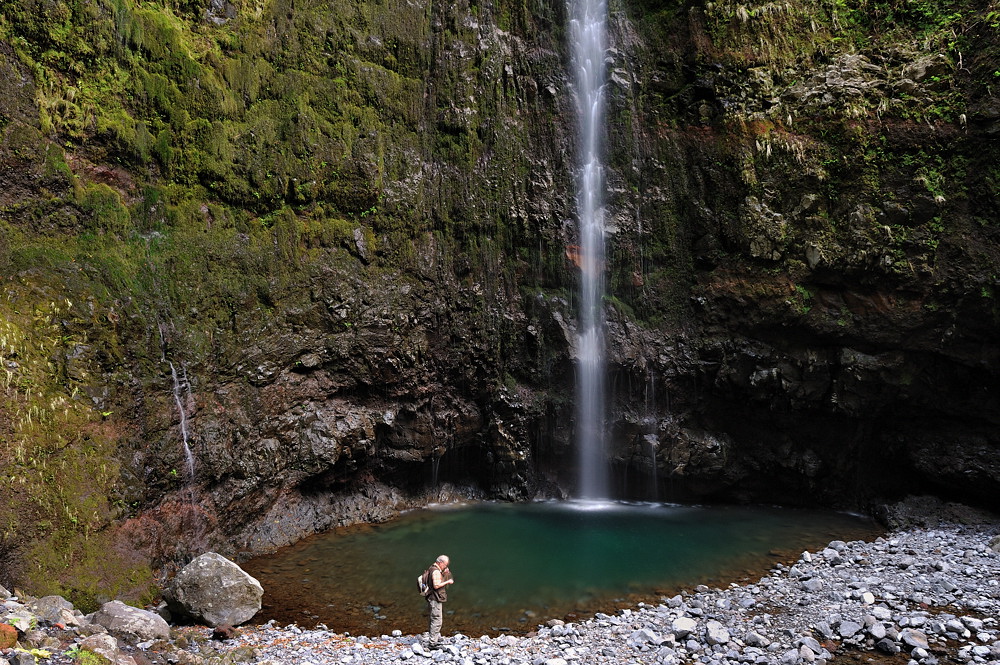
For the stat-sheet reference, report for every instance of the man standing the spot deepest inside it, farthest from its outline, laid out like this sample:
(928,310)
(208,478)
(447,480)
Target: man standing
(438,579)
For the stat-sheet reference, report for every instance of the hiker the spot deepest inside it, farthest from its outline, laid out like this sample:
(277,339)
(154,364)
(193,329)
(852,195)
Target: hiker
(438,579)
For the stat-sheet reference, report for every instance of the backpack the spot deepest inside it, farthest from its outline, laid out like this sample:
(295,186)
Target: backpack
(422,584)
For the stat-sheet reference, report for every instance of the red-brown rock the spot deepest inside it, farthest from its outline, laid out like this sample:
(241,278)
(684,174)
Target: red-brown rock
(8,636)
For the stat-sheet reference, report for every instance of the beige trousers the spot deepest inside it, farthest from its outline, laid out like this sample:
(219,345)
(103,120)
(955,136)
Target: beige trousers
(436,620)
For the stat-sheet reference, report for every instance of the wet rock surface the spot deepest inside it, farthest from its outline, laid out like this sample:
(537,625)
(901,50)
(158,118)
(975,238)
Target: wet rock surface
(925,595)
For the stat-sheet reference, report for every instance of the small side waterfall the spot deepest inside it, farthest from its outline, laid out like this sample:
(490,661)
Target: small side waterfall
(179,401)
(188,455)
(190,516)
(587,32)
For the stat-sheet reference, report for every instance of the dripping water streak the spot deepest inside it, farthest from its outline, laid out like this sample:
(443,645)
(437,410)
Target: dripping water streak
(587,31)
(188,455)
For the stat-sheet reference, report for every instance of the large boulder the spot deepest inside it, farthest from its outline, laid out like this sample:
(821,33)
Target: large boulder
(131,622)
(215,591)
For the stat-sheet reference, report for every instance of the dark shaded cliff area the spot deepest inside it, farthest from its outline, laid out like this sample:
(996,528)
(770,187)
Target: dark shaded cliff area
(268,268)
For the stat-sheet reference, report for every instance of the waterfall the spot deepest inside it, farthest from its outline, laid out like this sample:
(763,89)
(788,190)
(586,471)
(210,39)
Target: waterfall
(587,32)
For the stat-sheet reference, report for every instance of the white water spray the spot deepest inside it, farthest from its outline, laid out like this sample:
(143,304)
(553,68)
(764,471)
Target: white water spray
(587,32)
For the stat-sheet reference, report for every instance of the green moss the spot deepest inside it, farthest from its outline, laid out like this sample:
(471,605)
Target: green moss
(60,451)
(84,657)
(104,210)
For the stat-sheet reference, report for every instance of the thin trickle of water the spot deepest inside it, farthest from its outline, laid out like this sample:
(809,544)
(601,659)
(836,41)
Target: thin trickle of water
(587,32)
(188,455)
(435,470)
(177,383)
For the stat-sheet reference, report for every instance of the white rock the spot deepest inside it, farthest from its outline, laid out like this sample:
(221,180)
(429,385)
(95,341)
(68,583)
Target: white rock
(683,626)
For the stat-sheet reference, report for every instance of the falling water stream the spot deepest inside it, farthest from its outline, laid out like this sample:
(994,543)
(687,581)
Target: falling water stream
(587,32)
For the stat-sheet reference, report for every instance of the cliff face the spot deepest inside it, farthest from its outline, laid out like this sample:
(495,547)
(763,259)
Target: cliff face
(269,268)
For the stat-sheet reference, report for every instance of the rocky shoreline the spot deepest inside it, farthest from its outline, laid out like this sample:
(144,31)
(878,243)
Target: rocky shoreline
(926,593)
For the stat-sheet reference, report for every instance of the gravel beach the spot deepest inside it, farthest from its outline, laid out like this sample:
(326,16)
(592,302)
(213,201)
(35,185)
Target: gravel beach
(928,592)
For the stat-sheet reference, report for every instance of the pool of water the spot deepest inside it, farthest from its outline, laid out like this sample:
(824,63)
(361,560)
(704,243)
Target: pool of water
(516,565)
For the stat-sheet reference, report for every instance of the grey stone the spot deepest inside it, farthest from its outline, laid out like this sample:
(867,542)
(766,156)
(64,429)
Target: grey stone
(833,557)
(913,638)
(106,646)
(683,626)
(881,613)
(848,628)
(716,633)
(21,619)
(926,67)
(810,643)
(887,646)
(21,658)
(132,622)
(215,591)
(813,585)
(644,636)
(824,630)
(955,626)
(54,609)
(972,623)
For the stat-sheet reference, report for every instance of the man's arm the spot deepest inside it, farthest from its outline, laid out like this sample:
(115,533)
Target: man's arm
(437,579)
